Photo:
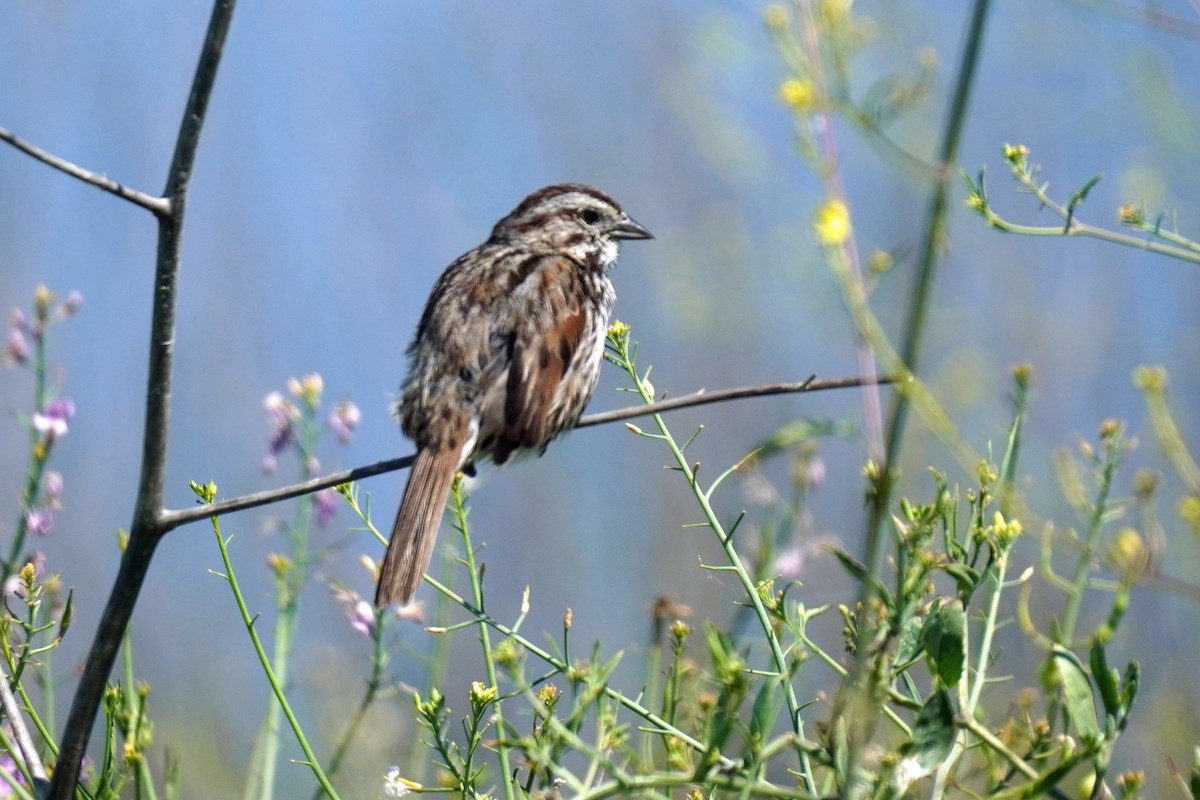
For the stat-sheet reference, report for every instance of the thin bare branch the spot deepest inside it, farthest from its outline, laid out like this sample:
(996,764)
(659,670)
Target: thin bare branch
(159,206)
(175,518)
(16,721)
(702,397)
(1146,14)
(148,527)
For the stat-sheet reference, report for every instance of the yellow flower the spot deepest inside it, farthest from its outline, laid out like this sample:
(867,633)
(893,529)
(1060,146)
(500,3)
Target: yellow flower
(880,261)
(776,16)
(482,695)
(1132,214)
(308,389)
(1189,511)
(1128,554)
(798,94)
(1150,379)
(832,223)
(43,298)
(831,13)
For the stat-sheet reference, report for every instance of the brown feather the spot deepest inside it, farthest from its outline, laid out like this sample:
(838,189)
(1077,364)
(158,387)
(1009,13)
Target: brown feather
(542,354)
(416,527)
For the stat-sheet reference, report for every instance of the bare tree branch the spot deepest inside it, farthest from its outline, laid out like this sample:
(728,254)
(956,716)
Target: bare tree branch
(25,746)
(175,518)
(148,526)
(159,206)
(703,397)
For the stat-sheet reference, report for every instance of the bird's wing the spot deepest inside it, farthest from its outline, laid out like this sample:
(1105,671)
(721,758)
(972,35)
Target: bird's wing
(537,335)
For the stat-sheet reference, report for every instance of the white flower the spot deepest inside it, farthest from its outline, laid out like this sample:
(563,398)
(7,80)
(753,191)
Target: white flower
(395,786)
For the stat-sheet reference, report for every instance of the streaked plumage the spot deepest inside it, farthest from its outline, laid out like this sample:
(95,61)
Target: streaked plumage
(506,355)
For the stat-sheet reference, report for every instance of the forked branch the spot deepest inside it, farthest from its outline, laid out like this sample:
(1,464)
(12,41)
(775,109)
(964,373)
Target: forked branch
(148,525)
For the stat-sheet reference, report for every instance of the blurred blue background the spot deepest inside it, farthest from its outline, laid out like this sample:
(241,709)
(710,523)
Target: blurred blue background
(353,150)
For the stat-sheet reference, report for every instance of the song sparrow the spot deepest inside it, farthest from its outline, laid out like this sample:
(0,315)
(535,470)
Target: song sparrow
(506,355)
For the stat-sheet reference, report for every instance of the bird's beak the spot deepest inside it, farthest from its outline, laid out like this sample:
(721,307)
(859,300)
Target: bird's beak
(628,229)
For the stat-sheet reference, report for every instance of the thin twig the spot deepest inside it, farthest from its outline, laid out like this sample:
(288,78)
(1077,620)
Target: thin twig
(148,525)
(159,206)
(16,721)
(702,397)
(1144,13)
(176,517)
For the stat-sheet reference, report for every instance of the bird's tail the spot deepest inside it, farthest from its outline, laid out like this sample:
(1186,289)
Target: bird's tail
(416,526)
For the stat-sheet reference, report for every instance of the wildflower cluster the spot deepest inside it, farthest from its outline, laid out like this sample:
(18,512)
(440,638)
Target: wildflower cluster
(25,349)
(293,419)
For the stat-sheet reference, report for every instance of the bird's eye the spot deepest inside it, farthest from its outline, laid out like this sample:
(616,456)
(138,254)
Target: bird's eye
(590,215)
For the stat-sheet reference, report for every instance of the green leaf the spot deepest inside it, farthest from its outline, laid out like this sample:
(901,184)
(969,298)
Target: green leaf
(910,646)
(64,622)
(1082,194)
(764,713)
(933,731)
(966,577)
(856,568)
(858,572)
(1078,700)
(1129,688)
(1106,680)
(944,636)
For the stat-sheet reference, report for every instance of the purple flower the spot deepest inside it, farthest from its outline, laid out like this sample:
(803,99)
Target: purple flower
(359,613)
(344,419)
(11,588)
(362,618)
(790,563)
(281,416)
(39,521)
(281,412)
(814,475)
(52,487)
(325,503)
(52,420)
(70,306)
(17,349)
(280,439)
(10,766)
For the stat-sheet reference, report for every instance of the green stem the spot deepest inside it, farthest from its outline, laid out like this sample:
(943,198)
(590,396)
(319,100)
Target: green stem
(17,789)
(726,540)
(267,753)
(970,700)
(502,749)
(931,243)
(39,448)
(276,683)
(1084,565)
(561,666)
(290,586)
(374,683)
(144,784)
(1184,249)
